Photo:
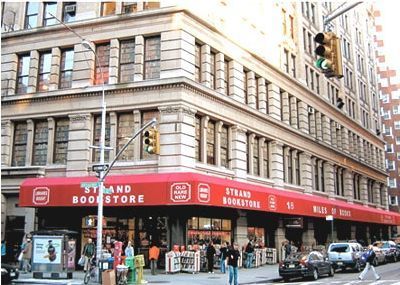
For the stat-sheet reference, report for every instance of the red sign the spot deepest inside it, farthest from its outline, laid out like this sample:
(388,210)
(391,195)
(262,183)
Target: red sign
(41,196)
(180,192)
(179,188)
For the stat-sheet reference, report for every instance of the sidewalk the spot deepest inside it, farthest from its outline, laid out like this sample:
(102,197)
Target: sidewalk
(246,276)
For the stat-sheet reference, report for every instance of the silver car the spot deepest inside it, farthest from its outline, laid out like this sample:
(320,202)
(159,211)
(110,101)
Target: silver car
(345,255)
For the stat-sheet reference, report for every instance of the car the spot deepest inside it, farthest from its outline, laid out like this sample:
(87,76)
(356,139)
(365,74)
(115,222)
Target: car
(388,248)
(305,264)
(8,272)
(380,257)
(344,255)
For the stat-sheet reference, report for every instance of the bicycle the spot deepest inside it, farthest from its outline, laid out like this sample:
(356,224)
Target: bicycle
(91,273)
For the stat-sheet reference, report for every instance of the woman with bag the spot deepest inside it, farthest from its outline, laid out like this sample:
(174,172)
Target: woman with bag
(26,256)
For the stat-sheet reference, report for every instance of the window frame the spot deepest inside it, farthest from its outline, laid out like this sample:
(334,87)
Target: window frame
(152,60)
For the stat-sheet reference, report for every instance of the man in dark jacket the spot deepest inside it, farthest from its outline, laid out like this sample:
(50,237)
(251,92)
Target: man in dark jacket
(370,259)
(210,252)
(224,254)
(233,258)
(250,253)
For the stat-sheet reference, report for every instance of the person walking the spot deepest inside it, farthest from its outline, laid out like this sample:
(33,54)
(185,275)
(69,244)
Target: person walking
(88,253)
(26,256)
(210,252)
(250,253)
(288,249)
(370,256)
(232,260)
(224,254)
(154,252)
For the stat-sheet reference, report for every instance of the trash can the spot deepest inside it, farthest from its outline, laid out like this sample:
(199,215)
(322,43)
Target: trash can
(122,274)
(130,262)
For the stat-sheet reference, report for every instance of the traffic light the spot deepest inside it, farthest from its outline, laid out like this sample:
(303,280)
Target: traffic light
(151,141)
(330,61)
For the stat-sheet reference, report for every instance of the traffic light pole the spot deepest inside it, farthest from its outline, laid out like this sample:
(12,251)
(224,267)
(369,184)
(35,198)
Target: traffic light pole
(338,12)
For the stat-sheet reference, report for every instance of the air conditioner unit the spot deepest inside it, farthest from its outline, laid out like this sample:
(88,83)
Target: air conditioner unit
(310,110)
(70,8)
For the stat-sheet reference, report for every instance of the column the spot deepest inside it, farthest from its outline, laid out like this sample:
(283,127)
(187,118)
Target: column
(84,67)
(285,108)
(339,139)
(33,71)
(262,95)
(326,129)
(329,179)
(236,84)
(348,184)
(306,172)
(318,120)
(308,235)
(375,193)
(345,140)
(239,151)
(364,189)
(51,125)
(251,90)
(274,101)
(219,73)
(114,62)
(280,238)
(113,134)
(79,140)
(286,157)
(294,176)
(361,149)
(384,194)
(240,233)
(177,138)
(177,54)
(261,146)
(6,142)
(293,112)
(30,128)
(9,67)
(303,117)
(277,162)
(250,152)
(55,69)
(373,156)
(139,58)
(205,65)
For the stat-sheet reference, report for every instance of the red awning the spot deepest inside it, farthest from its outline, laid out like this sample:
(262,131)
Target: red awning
(192,189)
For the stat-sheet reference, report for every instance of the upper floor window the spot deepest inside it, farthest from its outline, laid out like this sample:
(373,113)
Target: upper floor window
(31,15)
(226,77)
(356,187)
(149,5)
(396,109)
(212,70)
(40,143)
(61,141)
(103,55)
(211,142)
(50,9)
(127,61)
(23,73)
(291,19)
(96,139)
(224,147)
(293,65)
(197,63)
(20,143)
(108,8)
(284,29)
(69,11)
(44,71)
(286,60)
(129,7)
(126,125)
(152,57)
(256,157)
(66,68)
(197,138)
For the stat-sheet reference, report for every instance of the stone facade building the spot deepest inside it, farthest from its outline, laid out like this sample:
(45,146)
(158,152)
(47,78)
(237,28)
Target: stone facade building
(253,144)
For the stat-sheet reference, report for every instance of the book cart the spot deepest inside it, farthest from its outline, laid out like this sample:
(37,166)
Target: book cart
(190,261)
(172,262)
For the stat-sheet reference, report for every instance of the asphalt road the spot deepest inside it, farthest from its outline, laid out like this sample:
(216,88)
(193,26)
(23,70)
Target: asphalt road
(390,275)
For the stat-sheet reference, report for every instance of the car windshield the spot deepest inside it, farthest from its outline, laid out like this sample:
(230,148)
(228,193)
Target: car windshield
(340,248)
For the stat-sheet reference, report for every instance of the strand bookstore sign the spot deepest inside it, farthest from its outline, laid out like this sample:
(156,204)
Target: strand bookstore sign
(192,189)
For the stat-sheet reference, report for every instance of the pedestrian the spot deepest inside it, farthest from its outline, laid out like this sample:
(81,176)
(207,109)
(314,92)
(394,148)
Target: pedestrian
(154,253)
(26,256)
(88,253)
(210,252)
(3,250)
(369,256)
(224,254)
(288,248)
(232,260)
(250,253)
(129,250)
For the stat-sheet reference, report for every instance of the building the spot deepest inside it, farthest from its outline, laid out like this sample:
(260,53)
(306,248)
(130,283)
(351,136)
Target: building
(253,144)
(389,90)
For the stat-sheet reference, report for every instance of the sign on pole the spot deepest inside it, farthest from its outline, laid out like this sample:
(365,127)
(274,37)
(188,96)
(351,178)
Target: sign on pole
(329,218)
(90,184)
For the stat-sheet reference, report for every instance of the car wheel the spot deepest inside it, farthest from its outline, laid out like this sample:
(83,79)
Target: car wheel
(286,280)
(315,274)
(331,271)
(357,267)
(375,262)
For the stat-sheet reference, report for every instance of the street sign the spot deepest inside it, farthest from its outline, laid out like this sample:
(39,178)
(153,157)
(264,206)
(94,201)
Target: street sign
(90,184)
(99,167)
(107,191)
(329,218)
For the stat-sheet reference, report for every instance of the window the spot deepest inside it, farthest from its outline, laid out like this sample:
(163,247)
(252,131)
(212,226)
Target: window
(19,147)
(397,125)
(357,186)
(226,77)
(286,60)
(97,134)
(390,165)
(69,11)
(245,86)
(61,141)
(256,158)
(389,148)
(66,68)
(152,58)
(129,7)
(23,73)
(392,183)
(284,30)
(318,169)
(398,155)
(44,71)
(339,181)
(40,143)
(197,63)
(224,147)
(197,143)
(31,16)
(150,5)
(393,200)
(127,61)
(212,70)
(108,8)
(126,125)
(103,55)
(211,142)
(146,117)
(370,184)
(291,19)
(293,57)
(397,140)
(49,8)
(396,109)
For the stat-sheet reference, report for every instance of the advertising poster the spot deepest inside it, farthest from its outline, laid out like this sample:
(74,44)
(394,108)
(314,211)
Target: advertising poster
(47,250)
(71,253)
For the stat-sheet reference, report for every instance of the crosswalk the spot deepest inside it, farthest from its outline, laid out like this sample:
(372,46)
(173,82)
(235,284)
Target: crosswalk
(338,282)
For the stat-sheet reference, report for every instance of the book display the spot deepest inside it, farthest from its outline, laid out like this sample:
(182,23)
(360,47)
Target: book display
(172,262)
(190,261)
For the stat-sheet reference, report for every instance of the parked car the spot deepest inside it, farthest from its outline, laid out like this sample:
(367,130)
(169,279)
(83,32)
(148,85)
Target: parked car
(380,257)
(389,249)
(345,255)
(305,264)
(8,273)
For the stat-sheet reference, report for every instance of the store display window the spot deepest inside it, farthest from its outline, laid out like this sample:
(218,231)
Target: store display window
(201,230)
(256,235)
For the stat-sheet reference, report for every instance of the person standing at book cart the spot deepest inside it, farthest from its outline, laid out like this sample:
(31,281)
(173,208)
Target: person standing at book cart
(224,253)
(210,253)
(88,252)
(232,258)
(250,254)
(154,253)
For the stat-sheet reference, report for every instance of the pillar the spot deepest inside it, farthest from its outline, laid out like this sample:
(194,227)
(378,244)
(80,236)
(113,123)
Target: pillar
(274,101)
(251,90)
(285,108)
(55,69)
(239,151)
(6,143)
(30,128)
(139,58)
(318,121)
(51,125)
(276,172)
(303,117)
(293,112)
(84,67)
(236,84)
(306,176)
(240,234)
(33,71)
(329,179)
(348,185)
(114,62)
(205,65)
(262,96)
(9,67)
(326,129)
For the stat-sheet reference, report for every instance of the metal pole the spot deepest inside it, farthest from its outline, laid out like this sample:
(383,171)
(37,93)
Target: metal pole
(332,230)
(337,13)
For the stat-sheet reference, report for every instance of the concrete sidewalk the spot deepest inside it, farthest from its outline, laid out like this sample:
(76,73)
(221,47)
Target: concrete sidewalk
(246,276)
